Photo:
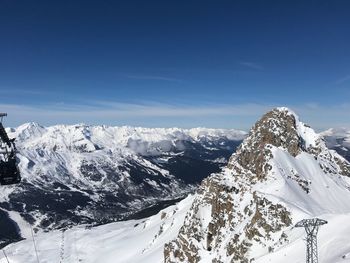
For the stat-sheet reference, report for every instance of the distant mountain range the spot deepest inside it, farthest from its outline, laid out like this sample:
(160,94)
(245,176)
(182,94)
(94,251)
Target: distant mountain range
(281,173)
(76,174)
(339,140)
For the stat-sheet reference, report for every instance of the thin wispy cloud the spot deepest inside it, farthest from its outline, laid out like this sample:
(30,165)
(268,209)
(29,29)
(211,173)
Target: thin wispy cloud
(342,80)
(24,91)
(151,77)
(251,65)
(241,116)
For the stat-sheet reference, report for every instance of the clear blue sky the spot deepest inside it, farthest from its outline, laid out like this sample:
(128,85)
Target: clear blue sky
(174,63)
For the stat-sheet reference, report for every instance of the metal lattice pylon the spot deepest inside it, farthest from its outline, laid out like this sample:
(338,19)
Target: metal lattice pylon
(311,227)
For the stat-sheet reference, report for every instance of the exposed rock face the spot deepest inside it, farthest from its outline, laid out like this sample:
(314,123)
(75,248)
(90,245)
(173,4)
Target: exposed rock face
(215,223)
(236,210)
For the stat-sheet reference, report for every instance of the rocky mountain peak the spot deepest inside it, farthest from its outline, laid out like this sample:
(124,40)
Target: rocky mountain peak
(278,174)
(281,128)
(277,127)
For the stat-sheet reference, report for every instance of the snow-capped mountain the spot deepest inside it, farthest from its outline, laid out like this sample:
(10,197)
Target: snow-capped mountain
(76,174)
(339,140)
(282,172)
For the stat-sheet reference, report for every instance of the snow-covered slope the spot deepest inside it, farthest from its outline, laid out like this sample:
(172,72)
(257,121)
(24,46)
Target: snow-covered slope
(137,241)
(282,173)
(76,174)
(122,242)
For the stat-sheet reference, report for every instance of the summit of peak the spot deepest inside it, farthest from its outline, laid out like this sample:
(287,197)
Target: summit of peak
(285,109)
(282,112)
(278,128)
(282,123)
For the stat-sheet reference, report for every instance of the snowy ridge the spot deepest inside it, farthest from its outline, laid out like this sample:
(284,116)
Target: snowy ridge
(119,135)
(79,174)
(68,144)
